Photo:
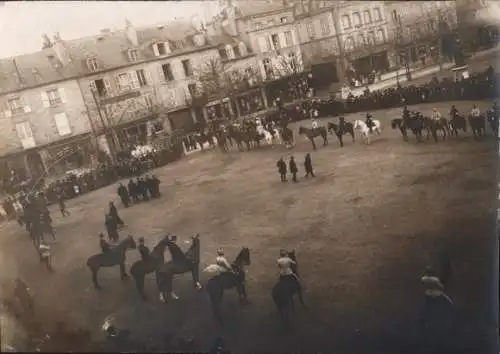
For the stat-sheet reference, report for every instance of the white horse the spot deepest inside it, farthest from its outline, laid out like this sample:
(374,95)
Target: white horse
(267,136)
(365,131)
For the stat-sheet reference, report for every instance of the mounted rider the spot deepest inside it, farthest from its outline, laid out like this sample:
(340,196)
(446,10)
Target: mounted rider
(475,112)
(436,116)
(105,246)
(453,112)
(285,263)
(222,261)
(406,112)
(143,250)
(341,123)
(369,122)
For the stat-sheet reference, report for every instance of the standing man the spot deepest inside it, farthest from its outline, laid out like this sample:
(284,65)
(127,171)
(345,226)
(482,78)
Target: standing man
(123,194)
(113,212)
(62,206)
(281,169)
(132,190)
(293,168)
(143,249)
(111,228)
(308,165)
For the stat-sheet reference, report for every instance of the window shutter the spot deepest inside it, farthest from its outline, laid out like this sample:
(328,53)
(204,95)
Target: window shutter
(45,99)
(167,47)
(262,44)
(8,113)
(282,40)
(27,109)
(62,124)
(147,76)
(134,80)
(20,131)
(294,38)
(62,95)
(161,74)
(155,50)
(107,85)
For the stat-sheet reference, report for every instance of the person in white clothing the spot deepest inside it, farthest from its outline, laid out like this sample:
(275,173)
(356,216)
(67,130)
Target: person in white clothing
(475,112)
(285,264)
(435,114)
(44,251)
(314,123)
(222,261)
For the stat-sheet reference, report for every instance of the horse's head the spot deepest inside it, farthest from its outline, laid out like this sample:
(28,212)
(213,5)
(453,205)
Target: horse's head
(129,242)
(243,258)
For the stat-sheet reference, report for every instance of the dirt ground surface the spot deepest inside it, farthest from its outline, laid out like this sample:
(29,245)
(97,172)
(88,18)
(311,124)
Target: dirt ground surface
(364,229)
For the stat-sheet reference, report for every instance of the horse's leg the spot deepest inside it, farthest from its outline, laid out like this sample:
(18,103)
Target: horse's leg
(325,139)
(123,273)
(139,285)
(313,143)
(353,136)
(195,272)
(339,136)
(94,278)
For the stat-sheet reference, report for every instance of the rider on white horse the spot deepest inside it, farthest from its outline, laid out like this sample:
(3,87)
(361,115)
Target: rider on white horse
(222,261)
(285,263)
(435,114)
(369,122)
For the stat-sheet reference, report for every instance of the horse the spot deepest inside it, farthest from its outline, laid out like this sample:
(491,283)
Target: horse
(268,137)
(339,132)
(284,291)
(235,134)
(179,264)
(433,126)
(457,123)
(202,138)
(365,131)
(313,133)
(141,268)
(116,256)
(478,126)
(228,280)
(397,123)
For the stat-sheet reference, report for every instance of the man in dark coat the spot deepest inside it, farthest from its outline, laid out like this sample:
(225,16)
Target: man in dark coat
(105,247)
(62,206)
(111,228)
(149,186)
(293,168)
(113,212)
(132,190)
(156,186)
(142,188)
(281,169)
(124,196)
(308,165)
(143,249)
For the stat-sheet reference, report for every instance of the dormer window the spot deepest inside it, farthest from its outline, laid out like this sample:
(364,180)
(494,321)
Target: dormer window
(229,52)
(92,64)
(133,55)
(283,20)
(161,48)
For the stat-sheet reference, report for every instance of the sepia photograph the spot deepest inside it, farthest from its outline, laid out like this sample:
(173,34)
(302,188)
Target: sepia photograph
(250,176)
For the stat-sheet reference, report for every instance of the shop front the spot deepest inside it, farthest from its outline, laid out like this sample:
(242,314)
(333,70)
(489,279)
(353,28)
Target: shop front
(251,101)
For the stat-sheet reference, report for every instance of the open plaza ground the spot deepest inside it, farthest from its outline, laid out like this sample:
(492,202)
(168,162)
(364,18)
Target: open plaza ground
(364,229)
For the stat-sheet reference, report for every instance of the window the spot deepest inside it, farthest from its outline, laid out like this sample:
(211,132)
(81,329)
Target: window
(25,135)
(243,49)
(283,20)
(432,24)
(357,19)
(370,38)
(223,53)
(380,36)
(325,26)
(133,55)
(92,64)
(275,40)
(288,39)
(124,82)
(100,87)
(167,72)
(293,61)
(229,52)
(236,51)
(15,105)
(310,30)
(161,48)
(346,22)
(62,124)
(141,76)
(349,44)
(394,15)
(178,45)
(186,65)
(271,23)
(54,97)
(367,16)
(361,39)
(148,100)
(258,25)
(268,69)
(378,14)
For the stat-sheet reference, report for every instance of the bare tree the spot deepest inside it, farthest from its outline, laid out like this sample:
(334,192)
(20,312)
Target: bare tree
(288,65)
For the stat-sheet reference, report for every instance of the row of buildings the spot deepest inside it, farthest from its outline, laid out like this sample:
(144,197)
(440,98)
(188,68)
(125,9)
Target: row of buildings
(74,99)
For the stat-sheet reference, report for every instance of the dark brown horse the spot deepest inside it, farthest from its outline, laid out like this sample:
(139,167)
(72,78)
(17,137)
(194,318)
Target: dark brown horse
(339,131)
(314,133)
(478,126)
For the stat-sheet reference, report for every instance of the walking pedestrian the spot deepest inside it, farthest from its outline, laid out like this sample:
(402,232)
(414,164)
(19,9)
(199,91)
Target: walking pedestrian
(62,206)
(308,165)
(281,169)
(293,168)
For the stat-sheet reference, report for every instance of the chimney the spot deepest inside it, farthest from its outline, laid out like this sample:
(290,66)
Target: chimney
(61,50)
(131,33)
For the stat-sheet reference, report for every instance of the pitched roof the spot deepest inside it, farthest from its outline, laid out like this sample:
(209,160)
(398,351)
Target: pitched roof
(251,8)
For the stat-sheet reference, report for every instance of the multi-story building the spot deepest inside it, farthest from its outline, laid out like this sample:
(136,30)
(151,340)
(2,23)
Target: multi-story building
(422,31)
(478,23)
(45,122)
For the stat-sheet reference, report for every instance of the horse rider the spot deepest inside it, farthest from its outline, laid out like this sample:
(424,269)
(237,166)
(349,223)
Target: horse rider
(222,261)
(436,116)
(475,112)
(453,112)
(432,285)
(314,123)
(406,112)
(369,122)
(285,263)
(143,249)
(105,247)
(44,251)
